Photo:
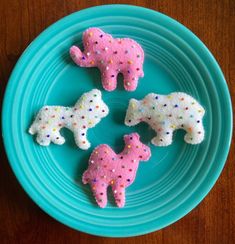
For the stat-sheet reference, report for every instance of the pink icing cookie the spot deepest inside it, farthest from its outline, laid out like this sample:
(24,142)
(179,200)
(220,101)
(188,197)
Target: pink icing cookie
(112,56)
(117,170)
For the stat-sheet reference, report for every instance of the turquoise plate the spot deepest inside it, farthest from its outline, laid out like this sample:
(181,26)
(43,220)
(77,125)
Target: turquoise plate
(176,178)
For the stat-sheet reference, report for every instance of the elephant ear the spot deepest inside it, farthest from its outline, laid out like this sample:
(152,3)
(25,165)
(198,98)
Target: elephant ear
(93,34)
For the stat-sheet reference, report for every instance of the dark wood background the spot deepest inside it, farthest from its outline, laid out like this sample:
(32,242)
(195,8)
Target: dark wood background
(213,221)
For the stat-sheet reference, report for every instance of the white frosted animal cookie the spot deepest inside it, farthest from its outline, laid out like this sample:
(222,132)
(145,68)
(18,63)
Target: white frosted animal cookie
(166,113)
(87,112)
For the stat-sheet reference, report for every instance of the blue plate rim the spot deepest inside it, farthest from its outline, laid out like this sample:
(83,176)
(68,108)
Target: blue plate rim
(6,105)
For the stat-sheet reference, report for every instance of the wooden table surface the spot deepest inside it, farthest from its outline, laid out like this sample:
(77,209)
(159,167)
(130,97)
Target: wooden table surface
(213,221)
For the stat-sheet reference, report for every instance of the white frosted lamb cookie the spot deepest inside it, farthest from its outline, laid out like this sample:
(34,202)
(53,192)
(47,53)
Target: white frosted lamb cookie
(87,112)
(166,113)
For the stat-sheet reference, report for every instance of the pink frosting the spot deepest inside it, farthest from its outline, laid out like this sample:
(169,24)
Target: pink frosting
(117,170)
(111,56)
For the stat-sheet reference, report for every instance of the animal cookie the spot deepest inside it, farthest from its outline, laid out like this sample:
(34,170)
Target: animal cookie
(117,170)
(166,113)
(111,56)
(87,112)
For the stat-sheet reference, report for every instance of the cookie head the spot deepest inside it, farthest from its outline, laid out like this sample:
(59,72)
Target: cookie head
(99,108)
(133,114)
(141,150)
(104,110)
(93,35)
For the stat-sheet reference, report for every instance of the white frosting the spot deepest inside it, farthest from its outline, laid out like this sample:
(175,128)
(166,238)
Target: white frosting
(166,113)
(87,112)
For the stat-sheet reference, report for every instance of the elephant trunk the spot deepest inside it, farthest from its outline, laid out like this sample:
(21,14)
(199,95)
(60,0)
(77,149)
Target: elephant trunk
(81,59)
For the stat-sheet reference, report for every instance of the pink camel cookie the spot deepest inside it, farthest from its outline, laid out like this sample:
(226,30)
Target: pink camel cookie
(111,56)
(117,170)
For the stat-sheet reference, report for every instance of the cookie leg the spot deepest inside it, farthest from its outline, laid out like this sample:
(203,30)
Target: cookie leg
(163,138)
(81,139)
(130,81)
(194,135)
(109,80)
(99,190)
(119,194)
(57,138)
(43,139)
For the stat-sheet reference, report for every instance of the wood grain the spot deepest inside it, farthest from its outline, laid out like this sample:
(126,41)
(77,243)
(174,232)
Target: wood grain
(213,221)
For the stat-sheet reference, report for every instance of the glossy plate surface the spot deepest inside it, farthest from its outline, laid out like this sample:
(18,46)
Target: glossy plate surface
(176,178)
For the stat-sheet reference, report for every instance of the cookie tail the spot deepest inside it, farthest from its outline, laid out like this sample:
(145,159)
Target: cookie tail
(32,130)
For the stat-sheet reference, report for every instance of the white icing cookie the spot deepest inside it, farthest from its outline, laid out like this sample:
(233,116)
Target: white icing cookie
(87,112)
(166,113)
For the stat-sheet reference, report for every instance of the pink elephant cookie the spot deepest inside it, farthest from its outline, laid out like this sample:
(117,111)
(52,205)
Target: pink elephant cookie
(117,170)
(112,56)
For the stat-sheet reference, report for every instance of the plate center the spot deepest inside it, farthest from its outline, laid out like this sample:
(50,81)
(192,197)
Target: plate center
(73,161)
